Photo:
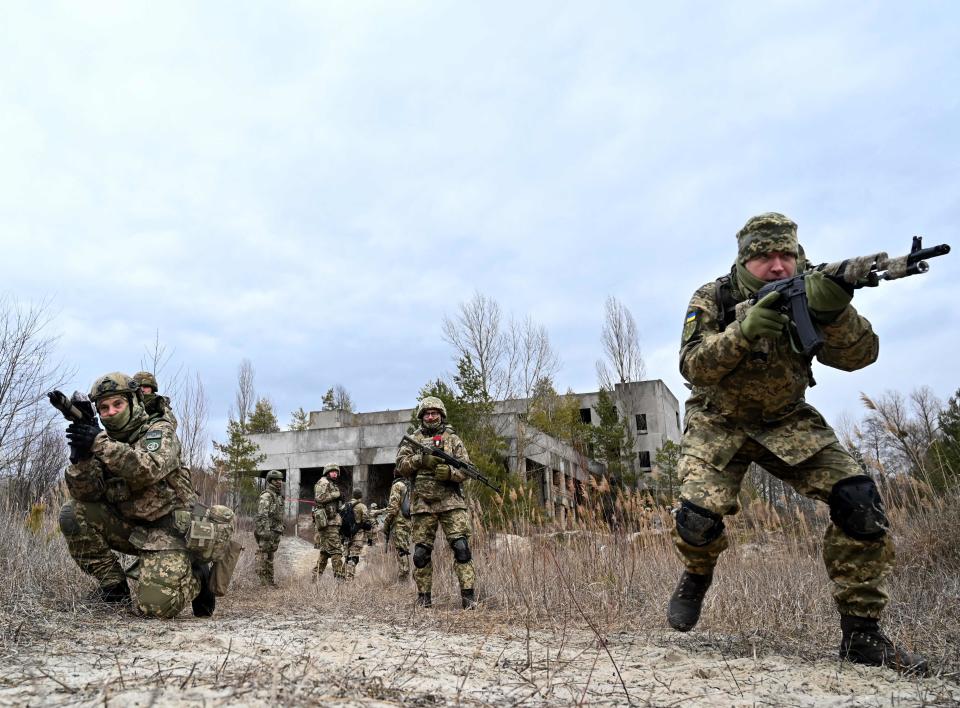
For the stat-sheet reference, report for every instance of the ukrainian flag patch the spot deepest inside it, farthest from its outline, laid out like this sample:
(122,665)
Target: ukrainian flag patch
(689,325)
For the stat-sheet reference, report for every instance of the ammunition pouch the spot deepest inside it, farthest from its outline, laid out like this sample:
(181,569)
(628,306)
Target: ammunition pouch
(319,517)
(209,536)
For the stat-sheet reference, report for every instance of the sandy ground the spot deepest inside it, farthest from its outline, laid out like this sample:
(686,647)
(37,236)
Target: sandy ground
(298,656)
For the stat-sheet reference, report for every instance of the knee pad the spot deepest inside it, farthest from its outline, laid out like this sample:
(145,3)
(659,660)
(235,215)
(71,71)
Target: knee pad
(421,555)
(155,601)
(856,507)
(461,550)
(698,526)
(355,560)
(69,526)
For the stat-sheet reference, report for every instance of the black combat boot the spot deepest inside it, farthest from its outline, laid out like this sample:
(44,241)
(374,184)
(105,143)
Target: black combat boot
(205,602)
(864,643)
(423,599)
(683,611)
(111,594)
(467,599)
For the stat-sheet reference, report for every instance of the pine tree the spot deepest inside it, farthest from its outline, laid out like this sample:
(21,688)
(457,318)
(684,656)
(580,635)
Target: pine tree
(299,420)
(239,457)
(263,419)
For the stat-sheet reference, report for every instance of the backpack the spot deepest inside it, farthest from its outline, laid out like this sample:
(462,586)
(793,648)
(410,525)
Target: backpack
(348,520)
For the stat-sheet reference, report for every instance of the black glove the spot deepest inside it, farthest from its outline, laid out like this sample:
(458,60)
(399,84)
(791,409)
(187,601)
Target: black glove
(81,436)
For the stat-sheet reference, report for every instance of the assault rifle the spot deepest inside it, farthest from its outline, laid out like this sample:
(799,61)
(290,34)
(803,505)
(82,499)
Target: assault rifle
(465,467)
(851,274)
(78,408)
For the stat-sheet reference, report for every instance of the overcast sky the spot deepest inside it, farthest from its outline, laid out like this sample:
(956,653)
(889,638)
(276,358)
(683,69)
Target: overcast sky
(314,185)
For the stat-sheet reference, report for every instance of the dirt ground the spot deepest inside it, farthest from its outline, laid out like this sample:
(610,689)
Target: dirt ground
(293,646)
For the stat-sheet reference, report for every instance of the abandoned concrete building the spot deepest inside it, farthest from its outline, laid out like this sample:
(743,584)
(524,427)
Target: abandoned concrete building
(364,445)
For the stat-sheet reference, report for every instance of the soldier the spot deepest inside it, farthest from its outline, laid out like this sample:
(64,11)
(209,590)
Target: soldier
(327,522)
(269,526)
(437,499)
(748,405)
(157,406)
(375,514)
(353,545)
(129,494)
(396,522)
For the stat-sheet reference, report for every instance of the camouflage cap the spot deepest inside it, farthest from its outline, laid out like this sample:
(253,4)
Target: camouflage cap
(145,378)
(113,384)
(357,494)
(766,233)
(331,468)
(274,474)
(431,402)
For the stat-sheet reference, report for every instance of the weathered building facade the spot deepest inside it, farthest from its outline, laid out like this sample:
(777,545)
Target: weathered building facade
(364,445)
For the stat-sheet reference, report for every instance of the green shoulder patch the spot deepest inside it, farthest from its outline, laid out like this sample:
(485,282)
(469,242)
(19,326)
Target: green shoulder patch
(153,438)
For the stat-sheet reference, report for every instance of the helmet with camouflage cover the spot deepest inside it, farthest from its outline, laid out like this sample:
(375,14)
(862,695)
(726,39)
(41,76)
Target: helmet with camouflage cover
(331,468)
(127,424)
(145,378)
(373,505)
(113,384)
(431,402)
(274,474)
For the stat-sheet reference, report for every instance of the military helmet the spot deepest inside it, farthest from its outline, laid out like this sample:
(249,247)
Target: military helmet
(357,494)
(113,384)
(373,505)
(431,402)
(145,378)
(330,468)
(274,474)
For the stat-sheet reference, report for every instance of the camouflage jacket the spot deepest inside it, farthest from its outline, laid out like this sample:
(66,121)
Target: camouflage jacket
(392,513)
(143,479)
(269,514)
(430,495)
(743,389)
(158,408)
(326,494)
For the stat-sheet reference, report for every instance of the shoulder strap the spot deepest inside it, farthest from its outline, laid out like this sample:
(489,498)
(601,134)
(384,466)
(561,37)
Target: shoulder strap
(726,301)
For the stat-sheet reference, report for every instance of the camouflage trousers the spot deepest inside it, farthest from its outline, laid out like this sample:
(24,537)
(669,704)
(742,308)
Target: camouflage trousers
(401,543)
(93,531)
(352,549)
(328,540)
(455,524)
(266,548)
(857,568)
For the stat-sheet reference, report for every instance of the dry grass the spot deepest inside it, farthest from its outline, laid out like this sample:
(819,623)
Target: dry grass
(771,595)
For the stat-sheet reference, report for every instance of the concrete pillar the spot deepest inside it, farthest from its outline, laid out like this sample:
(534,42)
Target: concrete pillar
(361,479)
(291,491)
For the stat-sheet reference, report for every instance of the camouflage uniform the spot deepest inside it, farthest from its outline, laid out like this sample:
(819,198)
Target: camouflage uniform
(131,495)
(353,546)
(437,503)
(327,539)
(269,527)
(375,517)
(747,405)
(398,525)
(158,407)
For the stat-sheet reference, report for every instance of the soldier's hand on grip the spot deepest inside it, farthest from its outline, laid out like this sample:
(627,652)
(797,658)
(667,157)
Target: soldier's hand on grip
(441,473)
(824,295)
(428,462)
(762,321)
(81,436)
